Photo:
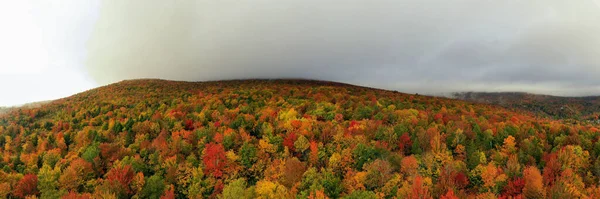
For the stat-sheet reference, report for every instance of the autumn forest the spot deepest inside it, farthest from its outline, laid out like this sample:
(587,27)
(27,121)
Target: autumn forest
(288,139)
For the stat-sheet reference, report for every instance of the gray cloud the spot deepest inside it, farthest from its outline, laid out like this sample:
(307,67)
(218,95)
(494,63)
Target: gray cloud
(430,46)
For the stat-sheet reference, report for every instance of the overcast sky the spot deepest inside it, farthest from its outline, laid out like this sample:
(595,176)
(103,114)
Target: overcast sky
(425,46)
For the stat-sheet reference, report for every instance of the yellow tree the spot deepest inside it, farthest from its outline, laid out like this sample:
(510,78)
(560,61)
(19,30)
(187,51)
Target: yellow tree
(509,146)
(267,189)
(491,175)
(534,187)
(4,189)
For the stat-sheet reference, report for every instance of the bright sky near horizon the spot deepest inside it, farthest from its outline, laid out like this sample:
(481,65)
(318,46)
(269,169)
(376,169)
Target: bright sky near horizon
(42,49)
(54,49)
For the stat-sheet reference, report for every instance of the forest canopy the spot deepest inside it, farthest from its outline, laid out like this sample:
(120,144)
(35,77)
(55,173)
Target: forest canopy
(288,139)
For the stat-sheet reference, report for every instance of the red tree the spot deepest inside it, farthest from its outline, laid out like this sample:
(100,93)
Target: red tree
(189,125)
(214,159)
(110,152)
(26,186)
(461,180)
(552,169)
(449,195)
(289,140)
(514,187)
(418,190)
(169,193)
(404,142)
(121,176)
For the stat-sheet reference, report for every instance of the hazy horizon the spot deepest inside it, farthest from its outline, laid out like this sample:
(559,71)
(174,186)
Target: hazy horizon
(449,94)
(56,49)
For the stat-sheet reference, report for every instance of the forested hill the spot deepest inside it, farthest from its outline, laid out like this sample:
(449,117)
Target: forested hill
(288,139)
(4,109)
(576,108)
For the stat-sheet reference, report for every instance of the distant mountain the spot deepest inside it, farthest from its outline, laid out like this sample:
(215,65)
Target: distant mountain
(5,109)
(579,108)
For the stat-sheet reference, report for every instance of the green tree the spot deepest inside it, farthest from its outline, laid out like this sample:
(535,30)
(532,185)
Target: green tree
(154,187)
(237,189)
(361,195)
(364,154)
(248,155)
(48,182)
(332,184)
(91,152)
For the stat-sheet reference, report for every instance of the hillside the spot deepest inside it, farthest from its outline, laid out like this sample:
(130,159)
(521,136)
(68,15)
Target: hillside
(5,109)
(288,139)
(578,108)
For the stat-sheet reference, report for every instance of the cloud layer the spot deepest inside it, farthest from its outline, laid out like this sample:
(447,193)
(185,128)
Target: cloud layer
(430,46)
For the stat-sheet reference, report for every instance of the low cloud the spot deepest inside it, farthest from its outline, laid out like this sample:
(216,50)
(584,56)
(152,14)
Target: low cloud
(430,46)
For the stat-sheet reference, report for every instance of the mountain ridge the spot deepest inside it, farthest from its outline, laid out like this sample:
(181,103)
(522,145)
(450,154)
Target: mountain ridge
(586,108)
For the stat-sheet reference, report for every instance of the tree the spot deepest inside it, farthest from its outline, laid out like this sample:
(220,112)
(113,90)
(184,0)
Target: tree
(70,180)
(491,175)
(409,165)
(378,173)
(153,188)
(289,140)
(74,176)
(364,154)
(26,186)
(551,169)
(310,180)
(237,189)
(4,190)
(514,187)
(314,153)
(461,180)
(404,143)
(160,143)
(248,155)
(169,193)
(74,195)
(573,157)
(293,171)
(91,152)
(110,152)
(120,178)
(117,128)
(361,195)
(486,195)
(48,182)
(449,195)
(418,190)
(301,144)
(569,185)
(138,182)
(513,167)
(509,146)
(534,187)
(332,184)
(355,180)
(214,159)
(267,189)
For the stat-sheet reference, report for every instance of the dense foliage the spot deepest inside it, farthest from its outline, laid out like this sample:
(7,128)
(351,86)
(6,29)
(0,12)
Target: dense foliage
(288,139)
